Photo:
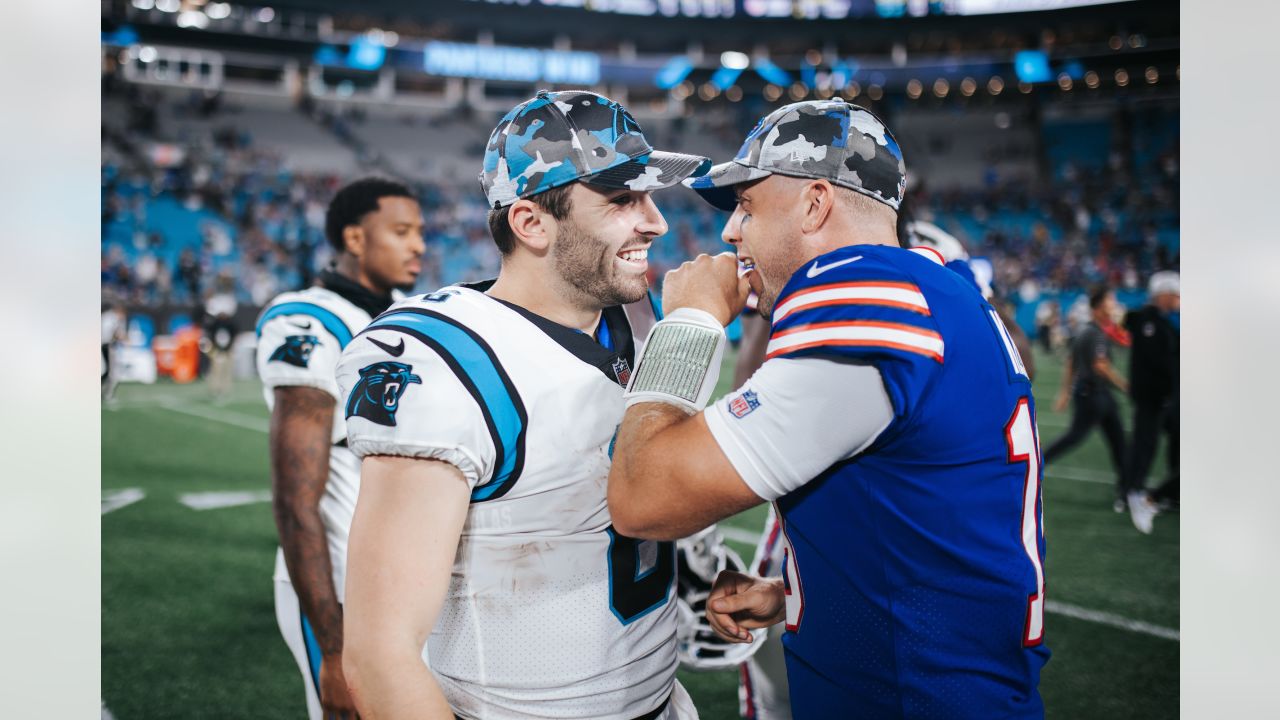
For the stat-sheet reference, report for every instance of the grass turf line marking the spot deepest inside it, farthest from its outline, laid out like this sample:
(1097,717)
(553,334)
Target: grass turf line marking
(1080,475)
(216,500)
(1112,620)
(227,417)
(115,499)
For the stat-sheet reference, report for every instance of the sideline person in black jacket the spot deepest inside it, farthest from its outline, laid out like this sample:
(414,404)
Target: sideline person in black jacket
(1153,379)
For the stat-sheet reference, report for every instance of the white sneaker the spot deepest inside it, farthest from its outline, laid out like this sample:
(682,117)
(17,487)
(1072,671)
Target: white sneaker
(1142,511)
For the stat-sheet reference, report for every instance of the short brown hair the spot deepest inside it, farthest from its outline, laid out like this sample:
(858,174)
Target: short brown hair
(555,201)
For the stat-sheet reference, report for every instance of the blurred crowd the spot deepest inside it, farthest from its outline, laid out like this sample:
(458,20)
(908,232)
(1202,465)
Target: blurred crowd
(182,217)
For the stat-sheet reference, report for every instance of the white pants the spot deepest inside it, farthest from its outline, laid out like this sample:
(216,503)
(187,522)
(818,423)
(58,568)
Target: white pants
(763,693)
(301,641)
(681,705)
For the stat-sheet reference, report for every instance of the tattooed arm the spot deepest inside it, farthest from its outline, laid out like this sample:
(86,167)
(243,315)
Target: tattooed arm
(300,438)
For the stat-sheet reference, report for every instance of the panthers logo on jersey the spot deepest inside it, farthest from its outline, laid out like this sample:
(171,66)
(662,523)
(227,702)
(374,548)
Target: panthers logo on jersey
(376,396)
(296,350)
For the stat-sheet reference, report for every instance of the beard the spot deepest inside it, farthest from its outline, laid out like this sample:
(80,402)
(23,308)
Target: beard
(586,263)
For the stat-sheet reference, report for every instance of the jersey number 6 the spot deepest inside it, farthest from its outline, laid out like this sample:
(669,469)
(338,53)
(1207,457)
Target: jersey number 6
(640,575)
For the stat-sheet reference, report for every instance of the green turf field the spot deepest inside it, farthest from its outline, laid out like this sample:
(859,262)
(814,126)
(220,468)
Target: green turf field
(189,630)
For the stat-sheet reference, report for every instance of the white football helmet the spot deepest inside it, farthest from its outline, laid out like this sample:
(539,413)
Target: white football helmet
(699,559)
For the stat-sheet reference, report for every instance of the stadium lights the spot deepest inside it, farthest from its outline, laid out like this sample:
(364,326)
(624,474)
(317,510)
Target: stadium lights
(995,85)
(673,73)
(266,15)
(147,54)
(218,10)
(168,6)
(144,4)
(193,19)
(734,60)
(771,73)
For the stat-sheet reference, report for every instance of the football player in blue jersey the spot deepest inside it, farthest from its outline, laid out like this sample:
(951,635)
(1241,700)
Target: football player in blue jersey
(892,425)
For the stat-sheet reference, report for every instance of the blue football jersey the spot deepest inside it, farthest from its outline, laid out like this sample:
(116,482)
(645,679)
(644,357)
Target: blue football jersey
(914,571)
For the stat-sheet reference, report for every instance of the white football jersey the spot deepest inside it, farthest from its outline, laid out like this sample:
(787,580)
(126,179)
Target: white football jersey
(549,612)
(300,337)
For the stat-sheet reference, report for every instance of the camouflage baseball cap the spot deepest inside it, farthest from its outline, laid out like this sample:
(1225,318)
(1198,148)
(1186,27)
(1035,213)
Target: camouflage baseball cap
(555,138)
(832,139)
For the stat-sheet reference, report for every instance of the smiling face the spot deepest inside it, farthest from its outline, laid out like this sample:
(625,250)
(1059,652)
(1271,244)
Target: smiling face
(601,249)
(765,231)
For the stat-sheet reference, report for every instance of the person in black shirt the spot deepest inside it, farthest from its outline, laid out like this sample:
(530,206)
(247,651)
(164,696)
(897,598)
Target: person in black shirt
(1153,373)
(1088,379)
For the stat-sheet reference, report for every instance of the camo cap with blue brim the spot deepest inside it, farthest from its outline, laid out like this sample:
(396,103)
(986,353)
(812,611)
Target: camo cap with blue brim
(831,139)
(556,138)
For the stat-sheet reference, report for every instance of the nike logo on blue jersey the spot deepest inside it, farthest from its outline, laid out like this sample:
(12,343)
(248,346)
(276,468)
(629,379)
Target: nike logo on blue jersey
(393,350)
(817,269)
(304,325)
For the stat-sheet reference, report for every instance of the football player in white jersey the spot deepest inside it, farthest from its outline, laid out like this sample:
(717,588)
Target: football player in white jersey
(484,415)
(375,227)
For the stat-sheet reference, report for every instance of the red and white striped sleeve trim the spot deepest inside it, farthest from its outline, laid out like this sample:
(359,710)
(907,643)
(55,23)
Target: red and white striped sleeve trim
(858,333)
(901,295)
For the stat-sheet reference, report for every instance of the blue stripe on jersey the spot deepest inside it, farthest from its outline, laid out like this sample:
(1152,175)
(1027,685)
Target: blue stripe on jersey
(313,651)
(653,302)
(602,334)
(479,371)
(327,318)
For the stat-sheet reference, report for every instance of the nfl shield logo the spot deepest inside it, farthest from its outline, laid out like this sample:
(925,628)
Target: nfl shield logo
(622,371)
(742,405)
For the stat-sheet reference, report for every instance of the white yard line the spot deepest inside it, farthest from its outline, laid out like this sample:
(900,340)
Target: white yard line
(1080,475)
(216,500)
(116,499)
(227,417)
(1112,620)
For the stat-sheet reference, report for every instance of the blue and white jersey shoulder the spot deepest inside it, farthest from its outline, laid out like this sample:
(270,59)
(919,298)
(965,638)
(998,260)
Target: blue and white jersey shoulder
(300,336)
(870,304)
(460,377)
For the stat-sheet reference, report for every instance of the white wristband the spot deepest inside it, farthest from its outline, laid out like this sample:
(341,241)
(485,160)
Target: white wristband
(680,363)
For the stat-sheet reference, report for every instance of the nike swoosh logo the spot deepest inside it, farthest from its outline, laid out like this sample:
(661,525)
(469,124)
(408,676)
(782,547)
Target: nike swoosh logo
(817,269)
(392,350)
(305,326)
